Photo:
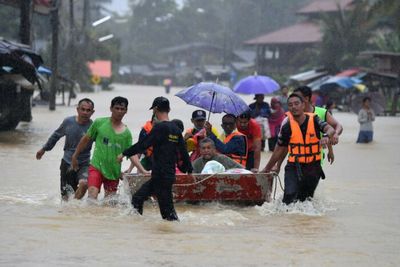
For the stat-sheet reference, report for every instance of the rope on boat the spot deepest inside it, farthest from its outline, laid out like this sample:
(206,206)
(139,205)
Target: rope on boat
(277,179)
(210,176)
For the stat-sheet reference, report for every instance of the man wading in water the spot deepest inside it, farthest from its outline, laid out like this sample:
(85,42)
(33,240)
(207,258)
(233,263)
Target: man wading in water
(73,128)
(168,148)
(300,136)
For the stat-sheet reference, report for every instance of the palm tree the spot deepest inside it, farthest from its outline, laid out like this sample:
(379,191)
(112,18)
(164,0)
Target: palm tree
(385,15)
(346,33)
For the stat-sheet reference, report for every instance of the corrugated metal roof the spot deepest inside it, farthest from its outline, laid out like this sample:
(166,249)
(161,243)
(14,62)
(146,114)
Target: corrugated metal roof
(304,32)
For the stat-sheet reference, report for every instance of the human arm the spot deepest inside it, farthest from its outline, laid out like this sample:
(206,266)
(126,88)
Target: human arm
(81,146)
(136,162)
(140,146)
(337,127)
(276,159)
(331,155)
(237,145)
(257,155)
(51,142)
(184,164)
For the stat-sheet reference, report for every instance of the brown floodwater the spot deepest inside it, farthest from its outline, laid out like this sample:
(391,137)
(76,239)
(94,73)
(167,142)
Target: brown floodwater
(354,219)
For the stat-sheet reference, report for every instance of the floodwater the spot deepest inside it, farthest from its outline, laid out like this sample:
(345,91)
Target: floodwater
(354,219)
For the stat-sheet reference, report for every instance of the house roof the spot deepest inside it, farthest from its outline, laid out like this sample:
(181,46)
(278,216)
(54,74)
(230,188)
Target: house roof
(304,32)
(189,46)
(39,6)
(323,6)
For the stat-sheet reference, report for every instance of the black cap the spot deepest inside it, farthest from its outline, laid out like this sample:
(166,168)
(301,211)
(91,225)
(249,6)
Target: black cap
(199,115)
(161,103)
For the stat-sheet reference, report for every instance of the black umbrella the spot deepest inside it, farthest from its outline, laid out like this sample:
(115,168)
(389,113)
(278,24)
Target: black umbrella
(378,102)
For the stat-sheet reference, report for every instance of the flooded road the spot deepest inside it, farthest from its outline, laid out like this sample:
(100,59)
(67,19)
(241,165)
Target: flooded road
(353,221)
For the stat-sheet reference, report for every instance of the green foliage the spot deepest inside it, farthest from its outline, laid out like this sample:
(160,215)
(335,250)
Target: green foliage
(9,25)
(389,42)
(157,24)
(346,33)
(386,13)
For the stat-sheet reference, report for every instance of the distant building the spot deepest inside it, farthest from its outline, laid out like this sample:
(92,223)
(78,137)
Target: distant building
(283,50)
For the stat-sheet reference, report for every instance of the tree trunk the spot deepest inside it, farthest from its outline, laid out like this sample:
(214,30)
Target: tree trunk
(25,21)
(54,55)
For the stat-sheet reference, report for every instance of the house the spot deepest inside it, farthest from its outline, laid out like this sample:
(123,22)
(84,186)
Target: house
(285,50)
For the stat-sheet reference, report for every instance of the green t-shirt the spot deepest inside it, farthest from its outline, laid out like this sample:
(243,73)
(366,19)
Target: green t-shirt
(321,113)
(108,146)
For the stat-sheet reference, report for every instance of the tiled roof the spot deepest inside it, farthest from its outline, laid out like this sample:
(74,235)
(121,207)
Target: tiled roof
(325,6)
(304,32)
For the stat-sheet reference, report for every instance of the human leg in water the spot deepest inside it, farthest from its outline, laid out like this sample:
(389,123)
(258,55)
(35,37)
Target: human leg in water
(141,196)
(163,191)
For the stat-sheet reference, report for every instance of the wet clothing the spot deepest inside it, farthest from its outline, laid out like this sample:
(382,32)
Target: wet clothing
(69,179)
(365,118)
(365,136)
(260,110)
(301,179)
(109,145)
(253,133)
(146,161)
(73,132)
(233,145)
(227,162)
(96,179)
(305,149)
(168,150)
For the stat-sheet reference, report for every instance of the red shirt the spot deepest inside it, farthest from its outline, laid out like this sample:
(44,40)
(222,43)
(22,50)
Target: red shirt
(253,132)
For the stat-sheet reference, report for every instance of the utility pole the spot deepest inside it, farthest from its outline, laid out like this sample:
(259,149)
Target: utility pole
(25,22)
(54,54)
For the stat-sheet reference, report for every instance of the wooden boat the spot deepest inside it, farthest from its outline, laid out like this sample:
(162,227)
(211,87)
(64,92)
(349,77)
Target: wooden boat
(248,189)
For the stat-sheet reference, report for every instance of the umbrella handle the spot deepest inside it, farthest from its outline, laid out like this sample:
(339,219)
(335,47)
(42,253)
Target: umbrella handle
(212,102)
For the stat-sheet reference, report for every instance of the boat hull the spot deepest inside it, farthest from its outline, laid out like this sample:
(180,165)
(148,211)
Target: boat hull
(248,189)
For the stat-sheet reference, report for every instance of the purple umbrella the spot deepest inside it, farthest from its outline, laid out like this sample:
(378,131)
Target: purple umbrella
(213,97)
(256,84)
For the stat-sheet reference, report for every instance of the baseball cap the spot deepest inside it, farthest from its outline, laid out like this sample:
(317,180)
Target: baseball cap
(199,115)
(161,103)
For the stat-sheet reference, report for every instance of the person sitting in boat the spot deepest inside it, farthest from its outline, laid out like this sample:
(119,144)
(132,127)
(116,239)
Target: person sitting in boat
(249,127)
(194,135)
(233,144)
(208,152)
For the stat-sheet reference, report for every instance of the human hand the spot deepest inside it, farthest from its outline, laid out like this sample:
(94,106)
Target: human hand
(334,139)
(331,157)
(74,163)
(324,141)
(40,153)
(254,170)
(208,127)
(120,157)
(187,136)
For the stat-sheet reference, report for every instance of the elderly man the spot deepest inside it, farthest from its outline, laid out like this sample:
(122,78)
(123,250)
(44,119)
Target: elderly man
(208,152)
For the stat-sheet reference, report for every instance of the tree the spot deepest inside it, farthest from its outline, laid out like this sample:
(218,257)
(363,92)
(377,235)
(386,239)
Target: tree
(346,33)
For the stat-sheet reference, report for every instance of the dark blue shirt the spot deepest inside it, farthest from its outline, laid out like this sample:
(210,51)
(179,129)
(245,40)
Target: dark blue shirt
(262,111)
(237,145)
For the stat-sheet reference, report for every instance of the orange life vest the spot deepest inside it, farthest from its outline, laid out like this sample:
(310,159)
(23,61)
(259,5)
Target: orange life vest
(147,128)
(300,150)
(195,145)
(241,159)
